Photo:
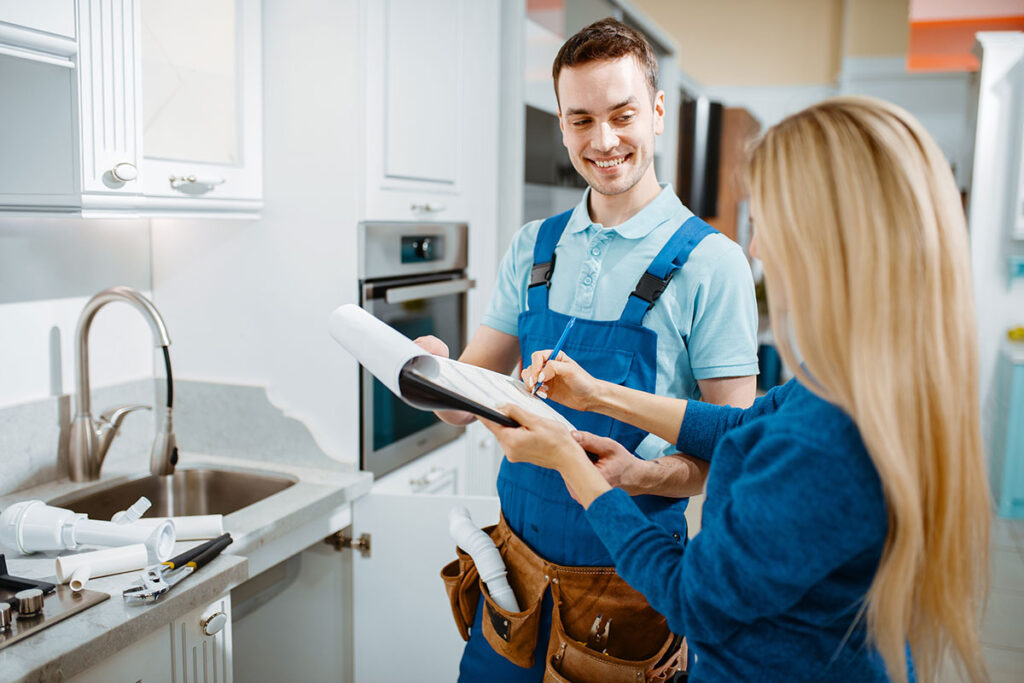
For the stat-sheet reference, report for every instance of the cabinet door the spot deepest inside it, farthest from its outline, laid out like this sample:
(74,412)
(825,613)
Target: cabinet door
(416,108)
(201,101)
(108,107)
(399,601)
(179,653)
(196,655)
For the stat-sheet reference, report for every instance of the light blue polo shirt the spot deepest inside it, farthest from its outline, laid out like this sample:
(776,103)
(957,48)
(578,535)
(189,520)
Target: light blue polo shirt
(706,319)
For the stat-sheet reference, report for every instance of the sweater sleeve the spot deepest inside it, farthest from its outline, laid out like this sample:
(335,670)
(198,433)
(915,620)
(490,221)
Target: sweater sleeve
(705,423)
(793,518)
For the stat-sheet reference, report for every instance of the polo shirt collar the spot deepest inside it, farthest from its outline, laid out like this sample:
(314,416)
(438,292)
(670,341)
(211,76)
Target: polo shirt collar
(659,210)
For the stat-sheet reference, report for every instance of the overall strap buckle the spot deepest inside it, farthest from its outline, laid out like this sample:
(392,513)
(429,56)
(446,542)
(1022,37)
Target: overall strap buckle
(650,287)
(541,273)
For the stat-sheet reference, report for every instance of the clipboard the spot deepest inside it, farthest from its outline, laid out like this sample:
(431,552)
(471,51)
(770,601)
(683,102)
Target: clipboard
(420,391)
(429,382)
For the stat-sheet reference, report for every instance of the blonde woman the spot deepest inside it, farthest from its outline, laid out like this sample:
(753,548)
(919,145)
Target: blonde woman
(847,517)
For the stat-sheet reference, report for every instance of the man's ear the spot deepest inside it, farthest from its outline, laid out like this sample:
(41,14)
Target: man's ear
(659,112)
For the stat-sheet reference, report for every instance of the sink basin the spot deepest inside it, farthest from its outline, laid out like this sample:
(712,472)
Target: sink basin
(186,492)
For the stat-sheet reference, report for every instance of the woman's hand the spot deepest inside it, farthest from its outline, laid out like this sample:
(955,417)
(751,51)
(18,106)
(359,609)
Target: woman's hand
(562,380)
(549,444)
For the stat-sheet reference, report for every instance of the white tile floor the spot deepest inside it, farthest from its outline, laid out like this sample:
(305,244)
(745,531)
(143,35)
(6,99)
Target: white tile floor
(1002,628)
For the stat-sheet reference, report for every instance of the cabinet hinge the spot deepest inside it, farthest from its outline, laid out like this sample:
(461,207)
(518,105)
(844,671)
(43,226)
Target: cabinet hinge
(340,542)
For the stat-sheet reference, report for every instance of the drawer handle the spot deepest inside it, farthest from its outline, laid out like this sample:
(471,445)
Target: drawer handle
(191,184)
(428,207)
(429,478)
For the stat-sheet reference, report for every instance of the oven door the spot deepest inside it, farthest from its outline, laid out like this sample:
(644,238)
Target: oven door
(392,432)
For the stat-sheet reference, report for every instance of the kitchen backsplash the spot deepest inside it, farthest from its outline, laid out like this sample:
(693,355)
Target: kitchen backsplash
(212,419)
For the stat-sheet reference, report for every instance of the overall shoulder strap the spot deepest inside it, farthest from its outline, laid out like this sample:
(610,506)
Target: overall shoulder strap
(671,258)
(544,260)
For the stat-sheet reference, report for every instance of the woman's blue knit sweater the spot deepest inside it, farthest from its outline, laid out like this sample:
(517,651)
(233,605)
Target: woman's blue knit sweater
(792,532)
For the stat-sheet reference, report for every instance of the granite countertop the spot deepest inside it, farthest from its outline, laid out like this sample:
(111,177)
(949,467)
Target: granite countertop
(82,640)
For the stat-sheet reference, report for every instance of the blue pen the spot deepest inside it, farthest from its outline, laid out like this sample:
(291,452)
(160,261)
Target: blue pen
(555,351)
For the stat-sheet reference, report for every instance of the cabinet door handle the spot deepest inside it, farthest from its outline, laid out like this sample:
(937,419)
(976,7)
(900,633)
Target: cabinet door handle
(427,207)
(214,623)
(124,172)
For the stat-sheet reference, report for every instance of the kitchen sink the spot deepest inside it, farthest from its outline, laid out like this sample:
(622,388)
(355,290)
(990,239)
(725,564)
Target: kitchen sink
(186,492)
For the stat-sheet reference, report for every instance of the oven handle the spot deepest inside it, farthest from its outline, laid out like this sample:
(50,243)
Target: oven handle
(397,295)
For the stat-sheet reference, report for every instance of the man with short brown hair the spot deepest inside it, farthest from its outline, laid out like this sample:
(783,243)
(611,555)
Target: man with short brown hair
(662,303)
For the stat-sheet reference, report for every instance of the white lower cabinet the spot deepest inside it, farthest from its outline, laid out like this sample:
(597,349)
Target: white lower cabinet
(195,648)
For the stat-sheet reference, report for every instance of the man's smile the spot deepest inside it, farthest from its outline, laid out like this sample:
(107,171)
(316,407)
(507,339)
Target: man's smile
(610,162)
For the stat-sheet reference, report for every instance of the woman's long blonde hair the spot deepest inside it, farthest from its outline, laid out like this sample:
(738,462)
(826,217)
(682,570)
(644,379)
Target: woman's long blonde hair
(866,262)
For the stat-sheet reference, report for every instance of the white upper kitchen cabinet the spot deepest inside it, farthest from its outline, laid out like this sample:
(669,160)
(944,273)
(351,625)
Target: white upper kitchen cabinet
(154,109)
(424,60)
(201,104)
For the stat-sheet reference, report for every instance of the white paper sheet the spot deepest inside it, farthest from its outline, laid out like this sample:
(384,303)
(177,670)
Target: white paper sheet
(384,351)
(488,388)
(380,348)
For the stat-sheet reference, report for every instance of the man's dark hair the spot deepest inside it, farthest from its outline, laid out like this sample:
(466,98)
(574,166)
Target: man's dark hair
(607,39)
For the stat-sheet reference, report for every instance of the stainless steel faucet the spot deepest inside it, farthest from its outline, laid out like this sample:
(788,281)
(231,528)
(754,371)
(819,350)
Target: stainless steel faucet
(89,441)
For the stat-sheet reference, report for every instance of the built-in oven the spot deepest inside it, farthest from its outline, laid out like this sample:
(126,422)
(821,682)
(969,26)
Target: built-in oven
(413,277)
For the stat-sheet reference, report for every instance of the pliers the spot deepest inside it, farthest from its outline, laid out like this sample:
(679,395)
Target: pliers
(160,578)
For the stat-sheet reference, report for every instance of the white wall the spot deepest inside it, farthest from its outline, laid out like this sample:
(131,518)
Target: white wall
(49,268)
(999,127)
(250,299)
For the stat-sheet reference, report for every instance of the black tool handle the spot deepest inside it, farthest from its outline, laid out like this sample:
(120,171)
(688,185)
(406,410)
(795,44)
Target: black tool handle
(216,545)
(191,554)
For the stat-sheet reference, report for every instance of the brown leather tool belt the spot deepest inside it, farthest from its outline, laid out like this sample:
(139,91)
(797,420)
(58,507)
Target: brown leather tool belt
(601,629)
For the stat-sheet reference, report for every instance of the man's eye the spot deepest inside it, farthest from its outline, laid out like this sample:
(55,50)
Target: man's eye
(579,123)
(626,118)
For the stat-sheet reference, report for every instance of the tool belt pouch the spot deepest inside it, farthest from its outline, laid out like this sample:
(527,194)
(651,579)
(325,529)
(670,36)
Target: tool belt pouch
(513,635)
(603,630)
(462,581)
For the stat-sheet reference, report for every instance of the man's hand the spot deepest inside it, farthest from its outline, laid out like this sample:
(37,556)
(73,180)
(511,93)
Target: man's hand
(619,467)
(435,346)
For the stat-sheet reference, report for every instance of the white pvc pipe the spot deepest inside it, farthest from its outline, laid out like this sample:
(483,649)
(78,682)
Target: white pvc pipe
(485,555)
(79,578)
(189,528)
(159,539)
(76,570)
(32,525)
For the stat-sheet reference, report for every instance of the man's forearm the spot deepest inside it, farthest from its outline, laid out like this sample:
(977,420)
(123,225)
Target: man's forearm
(674,476)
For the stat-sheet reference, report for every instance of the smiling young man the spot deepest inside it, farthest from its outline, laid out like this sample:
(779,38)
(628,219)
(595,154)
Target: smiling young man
(664,304)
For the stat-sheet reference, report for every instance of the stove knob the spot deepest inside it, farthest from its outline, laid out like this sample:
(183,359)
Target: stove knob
(5,617)
(30,602)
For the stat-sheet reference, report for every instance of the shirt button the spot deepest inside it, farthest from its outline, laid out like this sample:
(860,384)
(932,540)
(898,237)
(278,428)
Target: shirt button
(588,280)
(595,251)
(676,536)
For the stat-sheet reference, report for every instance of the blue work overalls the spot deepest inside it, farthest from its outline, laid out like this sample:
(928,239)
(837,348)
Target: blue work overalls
(534,501)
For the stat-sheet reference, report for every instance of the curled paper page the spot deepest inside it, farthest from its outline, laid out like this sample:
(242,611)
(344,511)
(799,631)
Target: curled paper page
(381,349)
(426,381)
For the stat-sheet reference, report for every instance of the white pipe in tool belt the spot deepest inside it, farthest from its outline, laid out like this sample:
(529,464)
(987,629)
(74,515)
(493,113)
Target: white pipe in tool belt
(485,555)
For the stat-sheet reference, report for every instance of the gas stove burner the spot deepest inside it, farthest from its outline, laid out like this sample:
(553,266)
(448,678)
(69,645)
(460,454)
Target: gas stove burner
(38,604)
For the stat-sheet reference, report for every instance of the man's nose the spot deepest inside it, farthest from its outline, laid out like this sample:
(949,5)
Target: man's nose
(606,138)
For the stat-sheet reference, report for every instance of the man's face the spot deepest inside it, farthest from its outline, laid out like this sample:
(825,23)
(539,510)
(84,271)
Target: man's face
(609,122)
